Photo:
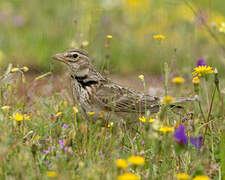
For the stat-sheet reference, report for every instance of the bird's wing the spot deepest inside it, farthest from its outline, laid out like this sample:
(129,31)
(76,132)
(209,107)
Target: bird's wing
(113,97)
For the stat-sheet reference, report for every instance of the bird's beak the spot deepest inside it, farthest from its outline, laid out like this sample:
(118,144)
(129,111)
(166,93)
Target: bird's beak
(59,57)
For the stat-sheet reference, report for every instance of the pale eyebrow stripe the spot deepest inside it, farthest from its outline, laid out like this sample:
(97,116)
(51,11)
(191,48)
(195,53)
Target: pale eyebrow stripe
(78,51)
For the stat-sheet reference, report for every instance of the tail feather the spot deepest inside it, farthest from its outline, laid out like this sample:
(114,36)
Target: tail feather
(176,104)
(181,100)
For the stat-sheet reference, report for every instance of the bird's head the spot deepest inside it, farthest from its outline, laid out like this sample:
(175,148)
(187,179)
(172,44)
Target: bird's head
(76,60)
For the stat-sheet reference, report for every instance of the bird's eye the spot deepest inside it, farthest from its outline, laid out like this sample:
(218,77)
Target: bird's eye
(75,55)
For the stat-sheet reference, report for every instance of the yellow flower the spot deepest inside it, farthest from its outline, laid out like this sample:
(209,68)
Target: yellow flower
(168,99)
(151,120)
(202,177)
(121,163)
(51,174)
(111,124)
(136,160)
(85,43)
(25,69)
(222,27)
(13,70)
(178,80)
(141,77)
(166,129)
(5,108)
(196,80)
(59,114)
(142,119)
(159,37)
(37,137)
(26,117)
(202,70)
(109,36)
(91,113)
(128,176)
(75,110)
(181,176)
(18,117)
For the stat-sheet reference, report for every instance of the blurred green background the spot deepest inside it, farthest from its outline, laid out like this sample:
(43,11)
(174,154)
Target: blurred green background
(31,31)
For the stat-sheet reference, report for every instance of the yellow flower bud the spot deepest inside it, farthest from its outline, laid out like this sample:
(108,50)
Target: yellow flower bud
(25,69)
(178,80)
(75,109)
(85,43)
(159,37)
(142,119)
(13,70)
(109,36)
(59,114)
(5,108)
(196,80)
(51,174)
(91,113)
(141,77)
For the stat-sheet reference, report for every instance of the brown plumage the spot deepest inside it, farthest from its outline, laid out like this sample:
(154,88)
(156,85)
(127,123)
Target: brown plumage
(95,93)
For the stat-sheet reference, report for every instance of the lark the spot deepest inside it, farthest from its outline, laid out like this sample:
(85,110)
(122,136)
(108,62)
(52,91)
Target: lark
(98,94)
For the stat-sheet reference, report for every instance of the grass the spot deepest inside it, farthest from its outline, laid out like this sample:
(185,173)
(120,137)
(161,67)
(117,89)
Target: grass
(52,141)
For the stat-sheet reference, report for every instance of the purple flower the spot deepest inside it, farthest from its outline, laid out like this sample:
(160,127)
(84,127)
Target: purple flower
(61,143)
(124,148)
(143,143)
(100,153)
(57,156)
(180,136)
(197,142)
(201,62)
(65,126)
(48,150)
(71,153)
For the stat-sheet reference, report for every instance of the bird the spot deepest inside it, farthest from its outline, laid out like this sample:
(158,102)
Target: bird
(95,93)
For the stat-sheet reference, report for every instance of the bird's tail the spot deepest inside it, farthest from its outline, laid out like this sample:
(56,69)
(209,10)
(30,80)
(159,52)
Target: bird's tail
(182,100)
(177,104)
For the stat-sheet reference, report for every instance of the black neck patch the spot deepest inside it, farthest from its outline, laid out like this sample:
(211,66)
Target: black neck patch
(84,80)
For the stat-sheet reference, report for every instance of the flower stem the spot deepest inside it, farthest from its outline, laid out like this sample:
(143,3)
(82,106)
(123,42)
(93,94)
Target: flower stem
(200,107)
(208,118)
(166,71)
(207,92)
